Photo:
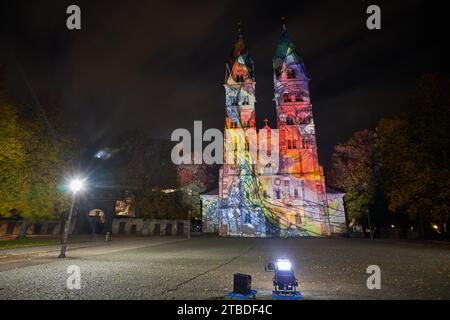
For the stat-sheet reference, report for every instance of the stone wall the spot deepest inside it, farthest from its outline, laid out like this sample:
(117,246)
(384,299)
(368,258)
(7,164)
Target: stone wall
(149,227)
(12,227)
(120,226)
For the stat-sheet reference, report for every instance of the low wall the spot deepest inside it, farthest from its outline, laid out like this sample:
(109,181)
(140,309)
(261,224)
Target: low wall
(125,226)
(12,227)
(149,227)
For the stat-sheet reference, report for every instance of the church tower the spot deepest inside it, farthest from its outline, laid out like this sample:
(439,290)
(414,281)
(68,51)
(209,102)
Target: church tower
(299,163)
(298,148)
(240,87)
(238,183)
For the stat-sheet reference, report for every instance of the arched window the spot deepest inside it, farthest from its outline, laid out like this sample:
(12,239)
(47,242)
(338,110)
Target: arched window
(240,78)
(289,121)
(292,142)
(286,97)
(291,74)
(277,193)
(304,120)
(234,144)
(304,144)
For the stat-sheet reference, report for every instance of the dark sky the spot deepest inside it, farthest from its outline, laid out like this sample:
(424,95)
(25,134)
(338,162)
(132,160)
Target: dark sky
(159,66)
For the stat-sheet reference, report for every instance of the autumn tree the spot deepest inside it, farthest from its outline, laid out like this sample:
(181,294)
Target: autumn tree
(354,170)
(34,159)
(196,177)
(13,157)
(414,150)
(144,166)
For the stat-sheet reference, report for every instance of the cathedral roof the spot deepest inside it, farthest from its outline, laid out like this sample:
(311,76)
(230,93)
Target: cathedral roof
(286,48)
(286,54)
(239,54)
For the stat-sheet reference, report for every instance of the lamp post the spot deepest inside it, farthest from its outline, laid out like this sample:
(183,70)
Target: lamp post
(190,192)
(189,225)
(75,186)
(368,219)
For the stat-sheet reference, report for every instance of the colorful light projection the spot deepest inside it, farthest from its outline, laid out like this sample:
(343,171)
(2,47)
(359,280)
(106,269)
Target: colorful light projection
(287,199)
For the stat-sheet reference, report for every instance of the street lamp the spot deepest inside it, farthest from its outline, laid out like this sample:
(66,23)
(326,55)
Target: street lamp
(366,210)
(190,213)
(75,186)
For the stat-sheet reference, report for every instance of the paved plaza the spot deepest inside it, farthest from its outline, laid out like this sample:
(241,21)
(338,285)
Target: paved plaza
(202,268)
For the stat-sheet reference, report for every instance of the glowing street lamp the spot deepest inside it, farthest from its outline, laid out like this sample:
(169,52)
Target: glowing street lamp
(75,186)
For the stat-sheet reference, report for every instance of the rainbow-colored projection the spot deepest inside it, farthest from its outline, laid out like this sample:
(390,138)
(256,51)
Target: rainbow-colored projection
(287,197)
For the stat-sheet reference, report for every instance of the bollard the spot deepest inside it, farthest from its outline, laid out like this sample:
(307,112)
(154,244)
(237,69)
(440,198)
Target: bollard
(107,237)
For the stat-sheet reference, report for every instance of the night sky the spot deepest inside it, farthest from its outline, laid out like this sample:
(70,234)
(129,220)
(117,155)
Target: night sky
(158,66)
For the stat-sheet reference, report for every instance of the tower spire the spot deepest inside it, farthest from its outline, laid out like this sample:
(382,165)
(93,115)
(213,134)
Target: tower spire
(239,56)
(239,29)
(283,21)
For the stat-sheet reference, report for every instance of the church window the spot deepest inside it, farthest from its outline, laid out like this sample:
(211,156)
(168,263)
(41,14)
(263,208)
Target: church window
(296,193)
(291,144)
(299,97)
(289,121)
(291,74)
(304,120)
(286,97)
(277,193)
(304,144)
(240,78)
(245,101)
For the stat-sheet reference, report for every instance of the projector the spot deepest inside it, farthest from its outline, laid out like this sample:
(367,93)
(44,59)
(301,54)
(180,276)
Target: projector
(242,283)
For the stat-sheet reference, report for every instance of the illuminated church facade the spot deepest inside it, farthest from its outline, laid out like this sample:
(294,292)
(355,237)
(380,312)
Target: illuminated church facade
(266,198)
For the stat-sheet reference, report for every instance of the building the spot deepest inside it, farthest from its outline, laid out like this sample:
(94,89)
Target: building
(282,192)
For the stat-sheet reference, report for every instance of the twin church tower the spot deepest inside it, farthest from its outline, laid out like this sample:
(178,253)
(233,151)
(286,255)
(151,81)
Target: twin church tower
(286,197)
